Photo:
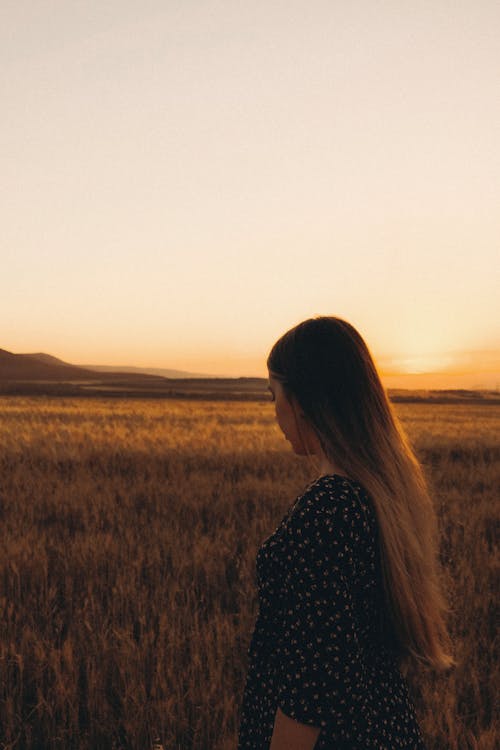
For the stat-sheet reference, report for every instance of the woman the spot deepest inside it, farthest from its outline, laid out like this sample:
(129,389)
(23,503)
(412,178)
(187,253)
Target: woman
(349,587)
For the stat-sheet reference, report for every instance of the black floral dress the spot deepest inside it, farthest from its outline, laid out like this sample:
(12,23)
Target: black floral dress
(321,648)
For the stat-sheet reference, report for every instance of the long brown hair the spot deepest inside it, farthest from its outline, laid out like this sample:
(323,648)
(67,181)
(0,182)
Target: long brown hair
(327,366)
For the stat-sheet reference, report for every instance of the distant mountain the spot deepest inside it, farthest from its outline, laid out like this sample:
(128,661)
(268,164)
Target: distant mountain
(41,366)
(158,371)
(38,367)
(45,367)
(50,360)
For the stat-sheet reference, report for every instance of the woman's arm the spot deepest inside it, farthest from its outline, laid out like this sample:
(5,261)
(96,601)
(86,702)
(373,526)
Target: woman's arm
(289,734)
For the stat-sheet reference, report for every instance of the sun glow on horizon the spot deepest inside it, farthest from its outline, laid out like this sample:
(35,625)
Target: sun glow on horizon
(422,363)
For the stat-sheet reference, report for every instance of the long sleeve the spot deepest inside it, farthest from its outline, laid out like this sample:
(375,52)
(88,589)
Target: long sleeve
(319,657)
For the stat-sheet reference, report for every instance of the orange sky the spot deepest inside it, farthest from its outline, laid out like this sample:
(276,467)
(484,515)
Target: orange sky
(183,182)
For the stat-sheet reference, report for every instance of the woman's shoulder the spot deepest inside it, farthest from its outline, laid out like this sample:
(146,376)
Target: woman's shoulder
(337,502)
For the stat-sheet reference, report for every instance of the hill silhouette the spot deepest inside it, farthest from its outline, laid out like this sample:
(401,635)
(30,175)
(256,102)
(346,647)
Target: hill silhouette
(159,371)
(44,374)
(163,372)
(45,367)
(29,367)
(50,360)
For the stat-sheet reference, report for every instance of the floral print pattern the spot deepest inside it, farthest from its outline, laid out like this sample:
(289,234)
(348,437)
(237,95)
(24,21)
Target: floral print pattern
(322,649)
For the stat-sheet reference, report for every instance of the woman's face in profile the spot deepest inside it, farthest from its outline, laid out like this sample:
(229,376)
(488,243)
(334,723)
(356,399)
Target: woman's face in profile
(288,416)
(297,429)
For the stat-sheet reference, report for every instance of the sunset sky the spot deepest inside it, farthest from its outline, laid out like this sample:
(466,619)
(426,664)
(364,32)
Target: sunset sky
(184,181)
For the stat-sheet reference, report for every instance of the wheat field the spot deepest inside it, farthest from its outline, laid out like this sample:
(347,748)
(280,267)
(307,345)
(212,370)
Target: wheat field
(127,591)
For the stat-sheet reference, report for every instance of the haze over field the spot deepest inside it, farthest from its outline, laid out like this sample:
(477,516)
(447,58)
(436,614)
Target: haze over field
(185,181)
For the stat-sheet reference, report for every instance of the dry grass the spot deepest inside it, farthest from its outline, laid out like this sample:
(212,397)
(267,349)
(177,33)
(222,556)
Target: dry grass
(127,594)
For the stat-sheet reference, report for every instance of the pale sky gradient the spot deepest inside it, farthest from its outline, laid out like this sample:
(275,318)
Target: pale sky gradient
(184,181)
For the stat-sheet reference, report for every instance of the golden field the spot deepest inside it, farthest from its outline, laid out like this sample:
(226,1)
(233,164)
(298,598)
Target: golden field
(127,592)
